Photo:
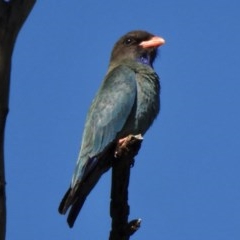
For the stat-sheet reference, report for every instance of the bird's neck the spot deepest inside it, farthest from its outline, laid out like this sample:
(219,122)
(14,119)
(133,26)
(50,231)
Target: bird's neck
(135,65)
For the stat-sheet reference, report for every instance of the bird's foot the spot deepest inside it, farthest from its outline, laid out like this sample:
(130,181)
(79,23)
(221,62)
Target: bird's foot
(128,145)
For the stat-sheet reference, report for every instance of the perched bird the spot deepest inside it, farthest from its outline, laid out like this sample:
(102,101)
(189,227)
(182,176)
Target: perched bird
(126,103)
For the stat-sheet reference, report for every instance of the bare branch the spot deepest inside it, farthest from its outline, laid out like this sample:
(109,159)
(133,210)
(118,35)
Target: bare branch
(12,16)
(119,208)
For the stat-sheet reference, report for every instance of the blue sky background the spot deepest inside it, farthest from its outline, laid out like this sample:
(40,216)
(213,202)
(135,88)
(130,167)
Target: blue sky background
(185,184)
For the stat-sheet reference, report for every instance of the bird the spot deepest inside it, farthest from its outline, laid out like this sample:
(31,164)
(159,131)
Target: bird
(127,102)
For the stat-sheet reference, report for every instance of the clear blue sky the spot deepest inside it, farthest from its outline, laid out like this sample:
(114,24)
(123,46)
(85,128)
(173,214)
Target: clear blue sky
(185,184)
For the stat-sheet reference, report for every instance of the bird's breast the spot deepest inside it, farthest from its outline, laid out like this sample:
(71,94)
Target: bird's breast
(148,99)
(147,103)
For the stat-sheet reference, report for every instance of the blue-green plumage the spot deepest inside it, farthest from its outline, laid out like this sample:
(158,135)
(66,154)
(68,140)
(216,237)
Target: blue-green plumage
(126,103)
(107,115)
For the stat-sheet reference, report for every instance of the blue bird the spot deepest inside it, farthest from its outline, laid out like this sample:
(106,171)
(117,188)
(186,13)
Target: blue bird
(127,103)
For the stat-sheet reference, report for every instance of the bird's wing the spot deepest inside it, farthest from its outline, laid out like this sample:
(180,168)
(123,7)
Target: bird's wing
(107,116)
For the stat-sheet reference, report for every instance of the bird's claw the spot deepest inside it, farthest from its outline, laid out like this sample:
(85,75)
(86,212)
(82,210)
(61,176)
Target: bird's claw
(127,145)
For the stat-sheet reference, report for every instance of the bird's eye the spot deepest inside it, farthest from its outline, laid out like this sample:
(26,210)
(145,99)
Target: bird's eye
(128,41)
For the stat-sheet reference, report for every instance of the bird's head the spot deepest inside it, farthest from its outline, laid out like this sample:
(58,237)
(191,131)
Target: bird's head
(139,46)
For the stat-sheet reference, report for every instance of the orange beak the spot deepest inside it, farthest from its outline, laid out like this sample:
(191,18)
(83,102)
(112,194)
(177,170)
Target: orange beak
(153,42)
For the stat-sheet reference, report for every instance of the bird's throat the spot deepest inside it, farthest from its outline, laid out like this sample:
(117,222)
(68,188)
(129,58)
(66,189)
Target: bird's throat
(145,60)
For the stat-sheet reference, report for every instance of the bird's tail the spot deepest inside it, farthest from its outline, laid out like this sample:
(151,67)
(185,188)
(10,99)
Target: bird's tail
(75,196)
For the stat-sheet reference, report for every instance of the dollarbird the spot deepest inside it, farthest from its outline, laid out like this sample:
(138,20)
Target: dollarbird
(127,103)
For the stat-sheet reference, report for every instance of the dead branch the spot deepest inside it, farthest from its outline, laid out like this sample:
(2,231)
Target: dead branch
(12,16)
(119,208)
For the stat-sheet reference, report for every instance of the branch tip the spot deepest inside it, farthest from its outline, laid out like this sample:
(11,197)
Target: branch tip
(133,226)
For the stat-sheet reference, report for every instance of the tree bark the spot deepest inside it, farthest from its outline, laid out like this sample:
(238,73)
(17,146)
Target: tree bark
(119,208)
(12,16)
